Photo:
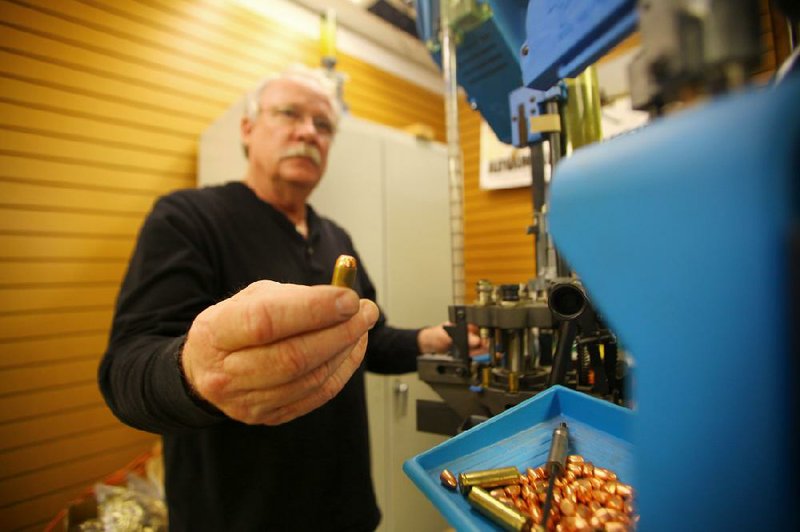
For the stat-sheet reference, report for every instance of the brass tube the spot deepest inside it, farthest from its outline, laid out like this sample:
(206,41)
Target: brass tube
(486,377)
(513,382)
(583,113)
(489,478)
(505,516)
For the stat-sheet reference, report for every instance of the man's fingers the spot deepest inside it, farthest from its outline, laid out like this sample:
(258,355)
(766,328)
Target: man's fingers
(275,364)
(267,312)
(294,399)
(323,394)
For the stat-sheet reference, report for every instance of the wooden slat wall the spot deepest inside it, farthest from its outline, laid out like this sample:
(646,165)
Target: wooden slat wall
(101,106)
(495,244)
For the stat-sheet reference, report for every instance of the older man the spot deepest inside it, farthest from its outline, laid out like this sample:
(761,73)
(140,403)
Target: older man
(228,341)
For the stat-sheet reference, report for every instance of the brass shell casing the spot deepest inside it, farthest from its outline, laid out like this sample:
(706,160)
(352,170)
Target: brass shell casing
(344,271)
(489,478)
(505,516)
(486,376)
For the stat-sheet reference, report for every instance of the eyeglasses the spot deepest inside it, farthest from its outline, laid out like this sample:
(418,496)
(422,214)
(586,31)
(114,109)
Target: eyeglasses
(291,115)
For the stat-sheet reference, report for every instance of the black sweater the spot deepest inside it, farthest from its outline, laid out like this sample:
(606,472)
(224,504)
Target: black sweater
(198,247)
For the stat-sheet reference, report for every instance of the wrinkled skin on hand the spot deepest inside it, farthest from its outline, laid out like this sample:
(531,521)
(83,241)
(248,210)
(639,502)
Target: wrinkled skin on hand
(274,352)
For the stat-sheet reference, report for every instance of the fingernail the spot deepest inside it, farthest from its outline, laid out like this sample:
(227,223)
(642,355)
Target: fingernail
(347,303)
(372,313)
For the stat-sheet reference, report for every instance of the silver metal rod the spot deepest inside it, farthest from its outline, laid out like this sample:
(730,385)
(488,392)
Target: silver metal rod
(454,160)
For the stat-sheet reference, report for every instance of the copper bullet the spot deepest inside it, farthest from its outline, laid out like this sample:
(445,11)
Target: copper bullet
(521,505)
(603,515)
(448,480)
(513,490)
(539,485)
(567,507)
(600,496)
(574,524)
(628,508)
(596,483)
(604,474)
(624,489)
(506,500)
(583,490)
(583,511)
(527,492)
(575,468)
(583,495)
(615,503)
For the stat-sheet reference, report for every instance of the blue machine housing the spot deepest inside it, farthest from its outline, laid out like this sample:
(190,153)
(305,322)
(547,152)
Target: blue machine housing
(487,58)
(680,231)
(488,66)
(565,37)
(495,59)
(524,102)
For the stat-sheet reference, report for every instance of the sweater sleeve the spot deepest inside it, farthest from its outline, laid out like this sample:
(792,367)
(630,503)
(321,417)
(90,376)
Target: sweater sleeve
(390,350)
(169,281)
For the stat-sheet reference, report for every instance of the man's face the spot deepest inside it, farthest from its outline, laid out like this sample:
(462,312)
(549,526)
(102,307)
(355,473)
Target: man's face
(288,141)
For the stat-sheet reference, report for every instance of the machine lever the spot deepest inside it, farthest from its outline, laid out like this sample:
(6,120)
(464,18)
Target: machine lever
(563,355)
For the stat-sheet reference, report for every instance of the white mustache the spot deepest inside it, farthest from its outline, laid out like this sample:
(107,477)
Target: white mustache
(303,150)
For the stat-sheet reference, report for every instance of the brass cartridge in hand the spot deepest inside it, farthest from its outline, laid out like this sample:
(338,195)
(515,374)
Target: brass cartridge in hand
(344,271)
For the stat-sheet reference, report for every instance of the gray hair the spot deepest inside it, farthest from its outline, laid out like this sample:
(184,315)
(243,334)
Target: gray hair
(317,78)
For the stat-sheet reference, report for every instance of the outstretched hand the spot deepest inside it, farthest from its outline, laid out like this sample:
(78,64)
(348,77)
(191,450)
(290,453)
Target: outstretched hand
(274,352)
(436,340)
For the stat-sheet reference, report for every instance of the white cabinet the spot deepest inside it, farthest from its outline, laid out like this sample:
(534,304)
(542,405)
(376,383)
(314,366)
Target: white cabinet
(390,192)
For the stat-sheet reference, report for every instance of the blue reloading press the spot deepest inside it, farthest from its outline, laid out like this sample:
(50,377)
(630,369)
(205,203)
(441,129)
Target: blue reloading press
(679,239)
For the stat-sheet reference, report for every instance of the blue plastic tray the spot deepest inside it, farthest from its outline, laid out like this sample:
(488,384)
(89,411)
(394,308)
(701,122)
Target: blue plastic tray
(520,436)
